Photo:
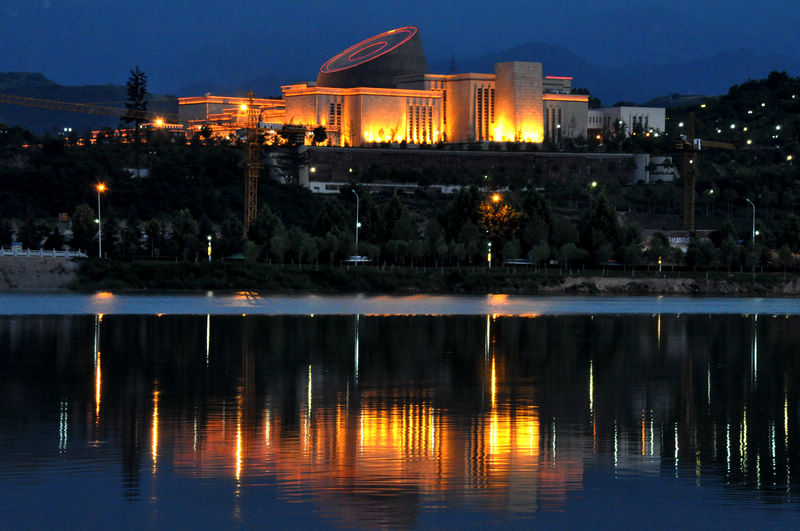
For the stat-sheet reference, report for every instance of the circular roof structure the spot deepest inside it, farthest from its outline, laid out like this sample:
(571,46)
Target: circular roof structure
(376,61)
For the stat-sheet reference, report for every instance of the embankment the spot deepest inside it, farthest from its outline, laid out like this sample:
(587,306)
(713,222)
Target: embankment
(29,273)
(140,275)
(36,273)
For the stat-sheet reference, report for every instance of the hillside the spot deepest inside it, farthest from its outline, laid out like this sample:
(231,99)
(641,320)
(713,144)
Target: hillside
(638,82)
(40,121)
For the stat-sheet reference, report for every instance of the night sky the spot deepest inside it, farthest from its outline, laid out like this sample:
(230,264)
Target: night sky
(181,44)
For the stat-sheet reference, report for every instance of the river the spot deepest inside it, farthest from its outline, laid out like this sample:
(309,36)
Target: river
(248,411)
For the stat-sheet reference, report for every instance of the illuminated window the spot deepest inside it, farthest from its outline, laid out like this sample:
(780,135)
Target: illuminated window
(479,112)
(444,109)
(410,120)
(485,112)
(430,123)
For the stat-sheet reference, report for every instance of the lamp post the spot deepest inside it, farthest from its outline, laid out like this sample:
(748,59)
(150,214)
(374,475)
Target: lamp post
(209,247)
(753,236)
(101,187)
(357,223)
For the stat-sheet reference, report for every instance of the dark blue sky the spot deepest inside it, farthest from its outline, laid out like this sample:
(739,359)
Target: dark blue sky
(180,43)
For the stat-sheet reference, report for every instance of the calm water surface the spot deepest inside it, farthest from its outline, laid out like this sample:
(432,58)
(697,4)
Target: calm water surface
(603,420)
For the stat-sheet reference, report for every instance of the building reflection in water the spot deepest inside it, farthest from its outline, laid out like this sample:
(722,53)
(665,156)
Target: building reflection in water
(418,411)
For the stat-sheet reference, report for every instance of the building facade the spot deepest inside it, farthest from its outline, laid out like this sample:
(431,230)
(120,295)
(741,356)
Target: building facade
(380,91)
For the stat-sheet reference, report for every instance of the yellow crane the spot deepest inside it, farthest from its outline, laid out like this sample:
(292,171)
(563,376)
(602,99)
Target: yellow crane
(87,108)
(253,166)
(690,150)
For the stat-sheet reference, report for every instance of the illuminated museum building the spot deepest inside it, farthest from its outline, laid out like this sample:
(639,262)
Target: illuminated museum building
(379,90)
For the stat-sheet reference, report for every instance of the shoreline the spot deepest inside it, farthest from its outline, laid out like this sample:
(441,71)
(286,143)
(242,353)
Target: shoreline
(22,274)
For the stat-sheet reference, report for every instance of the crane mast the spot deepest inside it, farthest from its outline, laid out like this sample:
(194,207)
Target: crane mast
(690,148)
(253,167)
(85,108)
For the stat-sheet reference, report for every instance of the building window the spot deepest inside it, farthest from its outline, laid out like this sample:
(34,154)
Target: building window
(479,112)
(410,120)
(430,123)
(444,109)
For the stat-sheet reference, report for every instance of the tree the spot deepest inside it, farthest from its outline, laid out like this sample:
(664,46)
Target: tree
(500,221)
(700,252)
(391,213)
(332,217)
(152,230)
(55,240)
(511,249)
(464,208)
(264,226)
(601,230)
(790,232)
(320,135)
(570,253)
(136,103)
(657,247)
(129,238)
(329,245)
(278,245)
(540,253)
(6,232)
(84,228)
(563,231)
(32,233)
(470,236)
(729,251)
(184,232)
(231,240)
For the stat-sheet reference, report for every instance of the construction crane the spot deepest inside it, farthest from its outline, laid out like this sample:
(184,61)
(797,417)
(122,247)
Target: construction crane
(253,167)
(690,150)
(87,108)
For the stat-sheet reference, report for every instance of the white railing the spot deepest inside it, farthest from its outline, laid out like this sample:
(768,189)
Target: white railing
(41,253)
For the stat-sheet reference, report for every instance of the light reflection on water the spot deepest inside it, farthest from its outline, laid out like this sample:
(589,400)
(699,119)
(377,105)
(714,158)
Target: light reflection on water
(391,421)
(254,303)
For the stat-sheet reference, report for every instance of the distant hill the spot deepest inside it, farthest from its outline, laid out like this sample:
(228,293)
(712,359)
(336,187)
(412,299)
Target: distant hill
(641,82)
(40,121)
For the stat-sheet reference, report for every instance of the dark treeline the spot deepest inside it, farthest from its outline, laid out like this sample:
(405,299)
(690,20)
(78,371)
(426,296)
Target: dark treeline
(194,190)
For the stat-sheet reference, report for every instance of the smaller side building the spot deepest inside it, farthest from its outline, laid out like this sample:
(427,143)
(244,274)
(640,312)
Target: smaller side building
(631,120)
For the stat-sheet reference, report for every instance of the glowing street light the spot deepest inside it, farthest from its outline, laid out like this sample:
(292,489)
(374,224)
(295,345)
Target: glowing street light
(496,198)
(357,223)
(754,219)
(101,187)
(209,247)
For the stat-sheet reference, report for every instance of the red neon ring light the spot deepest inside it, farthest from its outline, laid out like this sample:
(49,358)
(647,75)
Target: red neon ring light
(368,50)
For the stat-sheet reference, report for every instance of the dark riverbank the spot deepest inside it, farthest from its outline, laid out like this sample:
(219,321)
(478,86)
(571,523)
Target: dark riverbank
(145,275)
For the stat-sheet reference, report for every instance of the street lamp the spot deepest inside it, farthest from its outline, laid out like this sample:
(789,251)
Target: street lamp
(754,219)
(209,247)
(101,187)
(357,223)
(708,199)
